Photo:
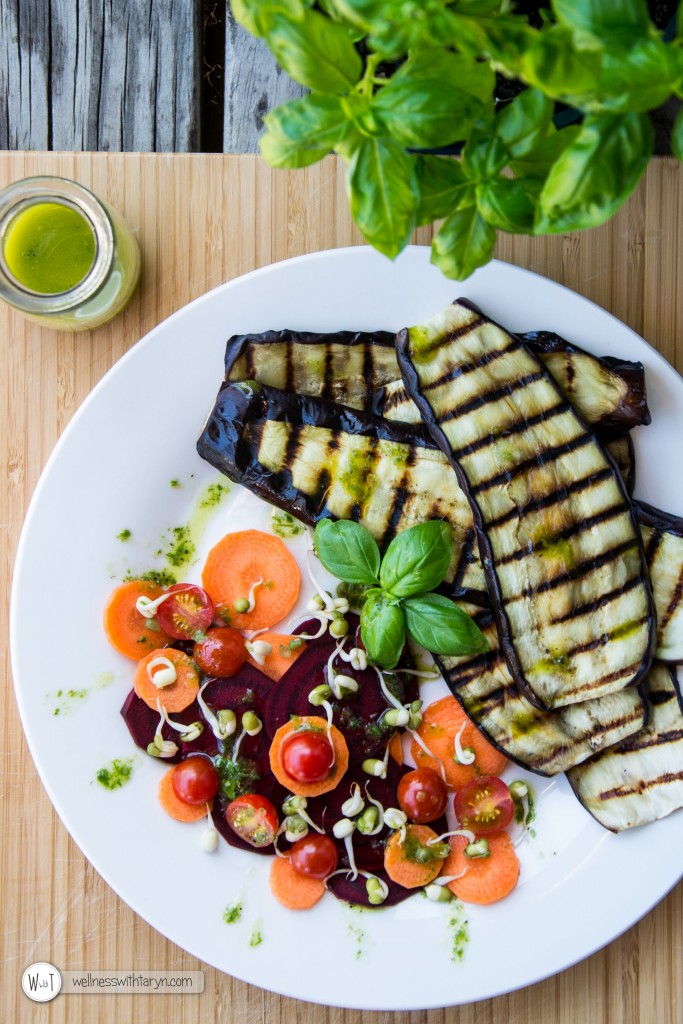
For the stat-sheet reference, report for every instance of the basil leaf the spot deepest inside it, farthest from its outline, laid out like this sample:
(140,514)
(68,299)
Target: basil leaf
(441,627)
(417,559)
(384,196)
(538,162)
(382,629)
(677,137)
(348,551)
(444,187)
(636,78)
(257,15)
(464,242)
(524,122)
(509,203)
(471,76)
(485,154)
(426,111)
(316,52)
(625,20)
(596,173)
(555,63)
(303,131)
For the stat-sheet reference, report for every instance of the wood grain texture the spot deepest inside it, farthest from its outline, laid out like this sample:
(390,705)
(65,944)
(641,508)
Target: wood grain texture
(100,75)
(201,221)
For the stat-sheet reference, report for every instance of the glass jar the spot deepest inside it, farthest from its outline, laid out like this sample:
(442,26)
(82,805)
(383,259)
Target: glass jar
(67,259)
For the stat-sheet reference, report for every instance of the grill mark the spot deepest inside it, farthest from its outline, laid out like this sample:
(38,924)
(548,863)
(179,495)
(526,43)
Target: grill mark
(249,359)
(673,603)
(569,371)
(538,504)
(368,373)
(591,645)
(571,531)
(583,568)
(328,374)
(401,494)
(459,332)
(534,462)
(599,602)
(610,677)
(653,545)
(492,396)
(605,728)
(623,791)
(659,697)
(290,374)
(411,457)
(465,674)
(394,400)
(462,369)
(515,428)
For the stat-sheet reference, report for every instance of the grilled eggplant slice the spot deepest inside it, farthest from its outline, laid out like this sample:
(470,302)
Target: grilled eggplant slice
(317,459)
(663,539)
(640,779)
(545,742)
(345,367)
(609,394)
(560,547)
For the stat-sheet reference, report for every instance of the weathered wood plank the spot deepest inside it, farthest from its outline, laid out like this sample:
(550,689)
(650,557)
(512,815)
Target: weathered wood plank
(254,84)
(24,74)
(100,74)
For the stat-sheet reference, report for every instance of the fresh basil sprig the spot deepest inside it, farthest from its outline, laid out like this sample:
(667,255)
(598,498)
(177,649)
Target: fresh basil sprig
(399,601)
(390,78)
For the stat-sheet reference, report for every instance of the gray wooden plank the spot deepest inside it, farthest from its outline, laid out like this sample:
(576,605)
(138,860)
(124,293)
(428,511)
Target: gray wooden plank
(125,74)
(254,84)
(24,74)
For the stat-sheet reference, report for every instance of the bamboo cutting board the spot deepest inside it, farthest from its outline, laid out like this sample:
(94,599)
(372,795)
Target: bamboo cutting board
(202,220)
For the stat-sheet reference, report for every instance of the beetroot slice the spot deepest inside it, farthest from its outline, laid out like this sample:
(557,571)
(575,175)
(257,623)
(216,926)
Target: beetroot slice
(355,892)
(142,724)
(356,716)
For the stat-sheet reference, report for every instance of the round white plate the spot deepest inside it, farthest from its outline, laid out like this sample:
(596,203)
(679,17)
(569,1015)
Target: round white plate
(580,886)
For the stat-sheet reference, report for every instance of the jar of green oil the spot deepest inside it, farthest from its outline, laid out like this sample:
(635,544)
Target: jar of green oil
(67,259)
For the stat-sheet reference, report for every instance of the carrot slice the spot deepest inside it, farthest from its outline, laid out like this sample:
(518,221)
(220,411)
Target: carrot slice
(239,561)
(292,890)
(441,722)
(178,695)
(126,629)
(174,806)
(400,861)
(341,756)
(281,657)
(485,879)
(396,748)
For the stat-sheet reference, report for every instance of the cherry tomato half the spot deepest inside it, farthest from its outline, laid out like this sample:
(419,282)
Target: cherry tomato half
(422,795)
(195,780)
(188,611)
(222,653)
(254,818)
(484,805)
(307,756)
(315,856)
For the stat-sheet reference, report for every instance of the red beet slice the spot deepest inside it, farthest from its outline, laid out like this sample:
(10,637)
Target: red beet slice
(142,724)
(350,891)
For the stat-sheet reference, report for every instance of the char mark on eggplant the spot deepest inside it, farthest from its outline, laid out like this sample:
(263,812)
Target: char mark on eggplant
(531,497)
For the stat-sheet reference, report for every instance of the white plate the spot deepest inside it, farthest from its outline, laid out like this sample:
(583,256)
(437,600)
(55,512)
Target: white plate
(580,886)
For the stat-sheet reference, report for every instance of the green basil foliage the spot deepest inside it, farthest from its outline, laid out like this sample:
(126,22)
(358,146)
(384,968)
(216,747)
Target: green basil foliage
(388,79)
(415,562)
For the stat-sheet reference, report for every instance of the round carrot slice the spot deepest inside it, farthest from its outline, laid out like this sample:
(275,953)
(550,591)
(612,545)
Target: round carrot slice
(483,879)
(441,723)
(174,806)
(401,857)
(238,562)
(292,890)
(180,694)
(281,657)
(396,748)
(341,756)
(126,629)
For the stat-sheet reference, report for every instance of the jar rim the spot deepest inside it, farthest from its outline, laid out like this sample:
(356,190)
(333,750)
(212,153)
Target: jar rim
(53,189)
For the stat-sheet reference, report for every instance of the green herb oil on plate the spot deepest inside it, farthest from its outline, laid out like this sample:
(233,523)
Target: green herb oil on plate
(49,247)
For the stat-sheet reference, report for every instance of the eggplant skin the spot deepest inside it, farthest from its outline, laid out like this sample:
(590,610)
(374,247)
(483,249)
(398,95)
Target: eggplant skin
(639,779)
(564,561)
(662,534)
(544,742)
(345,366)
(317,460)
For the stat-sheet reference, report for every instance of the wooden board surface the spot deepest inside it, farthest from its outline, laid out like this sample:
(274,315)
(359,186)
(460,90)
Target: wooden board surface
(202,220)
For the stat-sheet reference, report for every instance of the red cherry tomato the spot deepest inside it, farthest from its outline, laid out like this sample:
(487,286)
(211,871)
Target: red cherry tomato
(315,856)
(307,756)
(253,818)
(195,780)
(188,611)
(484,805)
(422,795)
(222,653)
